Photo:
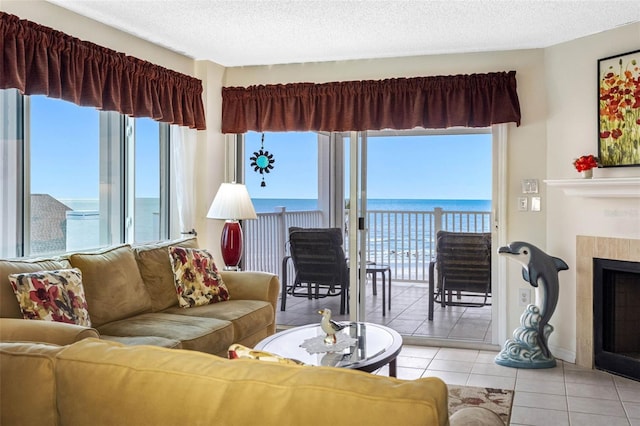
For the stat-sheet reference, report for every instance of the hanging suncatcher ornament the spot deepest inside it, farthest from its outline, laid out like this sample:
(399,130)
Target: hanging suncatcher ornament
(262,161)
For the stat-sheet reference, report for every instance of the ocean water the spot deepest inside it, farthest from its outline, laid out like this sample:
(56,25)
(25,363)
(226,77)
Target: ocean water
(146,221)
(397,238)
(401,232)
(268,205)
(147,207)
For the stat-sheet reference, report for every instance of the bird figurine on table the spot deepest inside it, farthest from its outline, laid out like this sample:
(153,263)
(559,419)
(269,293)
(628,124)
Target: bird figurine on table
(329,326)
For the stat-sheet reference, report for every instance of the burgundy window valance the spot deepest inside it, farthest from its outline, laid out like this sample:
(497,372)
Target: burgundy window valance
(476,100)
(38,60)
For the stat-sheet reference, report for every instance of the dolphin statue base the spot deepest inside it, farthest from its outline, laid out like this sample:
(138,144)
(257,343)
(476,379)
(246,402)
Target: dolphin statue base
(523,351)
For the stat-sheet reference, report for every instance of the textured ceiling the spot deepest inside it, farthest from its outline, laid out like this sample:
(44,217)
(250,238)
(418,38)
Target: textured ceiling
(265,32)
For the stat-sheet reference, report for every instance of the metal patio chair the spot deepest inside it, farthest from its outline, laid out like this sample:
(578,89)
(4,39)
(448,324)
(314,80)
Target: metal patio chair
(462,266)
(319,264)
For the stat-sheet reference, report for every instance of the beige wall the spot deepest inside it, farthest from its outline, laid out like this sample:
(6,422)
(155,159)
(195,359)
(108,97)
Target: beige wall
(557,90)
(210,164)
(572,128)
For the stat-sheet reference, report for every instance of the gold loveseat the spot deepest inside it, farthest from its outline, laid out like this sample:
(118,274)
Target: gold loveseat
(132,299)
(97,382)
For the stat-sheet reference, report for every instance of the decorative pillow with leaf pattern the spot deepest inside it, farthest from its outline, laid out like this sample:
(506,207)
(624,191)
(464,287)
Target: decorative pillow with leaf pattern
(52,296)
(196,277)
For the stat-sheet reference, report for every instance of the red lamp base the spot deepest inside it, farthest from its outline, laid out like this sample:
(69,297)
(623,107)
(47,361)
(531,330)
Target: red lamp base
(231,244)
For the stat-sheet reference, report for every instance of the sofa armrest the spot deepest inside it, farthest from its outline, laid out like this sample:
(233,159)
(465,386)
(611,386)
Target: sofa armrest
(252,285)
(21,330)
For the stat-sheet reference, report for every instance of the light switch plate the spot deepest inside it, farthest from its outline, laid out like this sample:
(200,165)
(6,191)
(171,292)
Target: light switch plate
(529,186)
(535,204)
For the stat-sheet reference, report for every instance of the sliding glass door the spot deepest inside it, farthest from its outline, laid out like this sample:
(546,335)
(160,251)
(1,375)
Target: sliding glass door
(390,191)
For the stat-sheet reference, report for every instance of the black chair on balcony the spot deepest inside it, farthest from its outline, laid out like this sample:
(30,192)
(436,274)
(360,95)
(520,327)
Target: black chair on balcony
(319,264)
(462,266)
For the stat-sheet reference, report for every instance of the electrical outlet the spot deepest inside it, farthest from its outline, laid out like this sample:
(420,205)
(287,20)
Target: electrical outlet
(524,296)
(523,204)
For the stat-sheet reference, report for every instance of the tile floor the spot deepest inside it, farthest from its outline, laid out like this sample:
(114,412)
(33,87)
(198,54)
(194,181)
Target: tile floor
(564,395)
(408,314)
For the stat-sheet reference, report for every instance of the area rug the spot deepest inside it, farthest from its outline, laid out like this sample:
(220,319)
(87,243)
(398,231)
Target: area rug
(497,400)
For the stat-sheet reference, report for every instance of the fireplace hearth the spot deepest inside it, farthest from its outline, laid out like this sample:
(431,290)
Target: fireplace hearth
(616,316)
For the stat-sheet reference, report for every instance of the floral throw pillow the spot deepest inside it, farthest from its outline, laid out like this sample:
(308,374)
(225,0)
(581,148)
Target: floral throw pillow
(52,296)
(237,351)
(196,277)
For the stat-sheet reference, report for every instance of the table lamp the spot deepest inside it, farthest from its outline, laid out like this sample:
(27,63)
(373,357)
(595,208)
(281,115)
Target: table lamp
(231,203)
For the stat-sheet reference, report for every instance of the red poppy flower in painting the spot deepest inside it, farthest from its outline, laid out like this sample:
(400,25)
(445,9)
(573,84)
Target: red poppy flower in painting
(616,133)
(619,110)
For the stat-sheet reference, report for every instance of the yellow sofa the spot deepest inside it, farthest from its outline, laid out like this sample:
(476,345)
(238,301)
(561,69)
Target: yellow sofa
(96,382)
(132,299)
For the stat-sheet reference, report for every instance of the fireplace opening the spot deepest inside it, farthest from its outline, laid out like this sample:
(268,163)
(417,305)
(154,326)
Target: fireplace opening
(616,316)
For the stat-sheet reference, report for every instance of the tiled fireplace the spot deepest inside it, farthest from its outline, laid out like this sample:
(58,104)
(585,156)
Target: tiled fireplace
(588,248)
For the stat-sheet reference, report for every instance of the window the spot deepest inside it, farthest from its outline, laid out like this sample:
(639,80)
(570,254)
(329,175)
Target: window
(63,159)
(77,178)
(151,222)
(293,181)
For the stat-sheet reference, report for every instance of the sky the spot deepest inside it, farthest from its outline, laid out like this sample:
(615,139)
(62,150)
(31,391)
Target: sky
(65,144)
(399,167)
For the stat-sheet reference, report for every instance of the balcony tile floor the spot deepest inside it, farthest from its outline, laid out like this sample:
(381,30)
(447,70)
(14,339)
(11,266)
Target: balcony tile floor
(408,314)
(564,395)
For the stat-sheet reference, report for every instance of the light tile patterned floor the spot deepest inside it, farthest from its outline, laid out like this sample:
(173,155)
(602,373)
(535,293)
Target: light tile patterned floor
(564,395)
(408,314)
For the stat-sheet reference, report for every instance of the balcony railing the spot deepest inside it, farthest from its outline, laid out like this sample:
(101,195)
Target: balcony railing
(266,238)
(404,240)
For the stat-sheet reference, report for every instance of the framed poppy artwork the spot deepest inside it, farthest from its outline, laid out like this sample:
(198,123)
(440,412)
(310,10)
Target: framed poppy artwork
(619,110)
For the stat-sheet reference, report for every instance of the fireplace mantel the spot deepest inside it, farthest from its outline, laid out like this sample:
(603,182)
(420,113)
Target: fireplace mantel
(599,187)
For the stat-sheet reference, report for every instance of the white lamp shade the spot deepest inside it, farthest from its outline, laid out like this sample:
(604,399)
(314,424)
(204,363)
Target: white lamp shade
(232,202)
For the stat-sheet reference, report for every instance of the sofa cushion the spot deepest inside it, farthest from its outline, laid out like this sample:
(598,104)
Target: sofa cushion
(155,268)
(247,316)
(112,284)
(160,386)
(145,340)
(9,307)
(52,296)
(196,333)
(196,277)
(28,385)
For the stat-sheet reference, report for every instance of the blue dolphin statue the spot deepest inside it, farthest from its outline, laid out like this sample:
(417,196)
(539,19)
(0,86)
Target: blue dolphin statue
(540,270)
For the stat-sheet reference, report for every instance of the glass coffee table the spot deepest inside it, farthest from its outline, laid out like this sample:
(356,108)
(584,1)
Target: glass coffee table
(375,346)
